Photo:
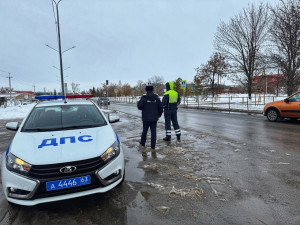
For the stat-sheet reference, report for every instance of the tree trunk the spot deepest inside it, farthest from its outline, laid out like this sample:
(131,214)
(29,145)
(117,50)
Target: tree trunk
(213,88)
(249,90)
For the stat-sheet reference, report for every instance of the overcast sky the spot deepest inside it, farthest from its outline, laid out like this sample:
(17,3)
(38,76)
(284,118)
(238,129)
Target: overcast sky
(116,40)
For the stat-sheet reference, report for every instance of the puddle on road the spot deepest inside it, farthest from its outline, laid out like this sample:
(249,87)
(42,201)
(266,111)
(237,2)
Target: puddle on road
(132,160)
(135,172)
(137,212)
(146,195)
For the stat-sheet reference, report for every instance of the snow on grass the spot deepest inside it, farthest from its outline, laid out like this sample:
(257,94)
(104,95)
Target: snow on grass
(20,111)
(14,112)
(226,101)
(222,101)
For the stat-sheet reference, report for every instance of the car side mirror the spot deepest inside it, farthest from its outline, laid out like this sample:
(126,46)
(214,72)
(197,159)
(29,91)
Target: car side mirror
(12,126)
(286,100)
(113,118)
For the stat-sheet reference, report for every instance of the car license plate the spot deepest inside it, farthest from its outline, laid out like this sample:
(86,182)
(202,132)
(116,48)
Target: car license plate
(68,183)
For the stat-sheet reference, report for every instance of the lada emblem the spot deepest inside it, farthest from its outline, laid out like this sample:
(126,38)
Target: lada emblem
(67,169)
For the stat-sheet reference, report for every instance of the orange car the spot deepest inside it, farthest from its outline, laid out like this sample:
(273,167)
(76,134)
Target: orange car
(286,108)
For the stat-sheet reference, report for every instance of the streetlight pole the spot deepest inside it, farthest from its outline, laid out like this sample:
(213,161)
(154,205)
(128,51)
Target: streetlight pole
(59,50)
(59,47)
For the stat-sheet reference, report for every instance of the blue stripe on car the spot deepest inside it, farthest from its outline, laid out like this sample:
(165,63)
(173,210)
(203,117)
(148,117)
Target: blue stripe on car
(117,137)
(7,151)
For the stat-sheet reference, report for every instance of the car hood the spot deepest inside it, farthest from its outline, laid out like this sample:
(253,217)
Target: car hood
(40,148)
(279,101)
(275,102)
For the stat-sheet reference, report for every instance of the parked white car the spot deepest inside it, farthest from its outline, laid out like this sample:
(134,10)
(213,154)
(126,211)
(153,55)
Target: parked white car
(61,150)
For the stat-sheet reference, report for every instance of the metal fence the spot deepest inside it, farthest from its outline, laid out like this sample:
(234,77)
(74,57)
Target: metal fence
(224,103)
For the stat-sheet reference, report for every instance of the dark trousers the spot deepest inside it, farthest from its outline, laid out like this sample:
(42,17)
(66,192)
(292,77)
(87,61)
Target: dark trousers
(146,125)
(171,115)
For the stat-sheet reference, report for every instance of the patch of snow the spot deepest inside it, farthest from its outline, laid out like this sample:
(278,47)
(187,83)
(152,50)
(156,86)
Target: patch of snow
(13,112)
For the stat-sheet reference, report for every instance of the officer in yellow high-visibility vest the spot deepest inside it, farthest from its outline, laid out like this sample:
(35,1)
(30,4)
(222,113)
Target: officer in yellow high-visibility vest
(170,102)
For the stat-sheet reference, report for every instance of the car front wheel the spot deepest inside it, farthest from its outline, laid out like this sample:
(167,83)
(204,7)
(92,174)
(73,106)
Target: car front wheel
(272,115)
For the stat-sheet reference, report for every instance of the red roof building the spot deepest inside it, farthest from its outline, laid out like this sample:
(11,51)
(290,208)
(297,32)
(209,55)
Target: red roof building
(271,83)
(271,78)
(25,92)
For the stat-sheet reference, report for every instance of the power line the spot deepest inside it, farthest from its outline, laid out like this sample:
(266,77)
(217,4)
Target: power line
(21,85)
(21,80)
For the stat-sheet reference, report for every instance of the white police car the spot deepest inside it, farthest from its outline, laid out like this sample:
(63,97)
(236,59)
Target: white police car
(61,150)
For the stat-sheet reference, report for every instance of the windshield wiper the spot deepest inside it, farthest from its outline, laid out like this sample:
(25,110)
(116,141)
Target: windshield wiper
(42,129)
(82,126)
(61,128)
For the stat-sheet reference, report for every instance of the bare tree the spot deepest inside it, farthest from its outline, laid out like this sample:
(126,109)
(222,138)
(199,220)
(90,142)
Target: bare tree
(111,90)
(75,87)
(126,90)
(242,41)
(158,84)
(210,73)
(140,87)
(92,91)
(285,34)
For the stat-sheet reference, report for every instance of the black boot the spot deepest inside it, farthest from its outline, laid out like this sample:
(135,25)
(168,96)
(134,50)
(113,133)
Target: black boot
(178,137)
(167,138)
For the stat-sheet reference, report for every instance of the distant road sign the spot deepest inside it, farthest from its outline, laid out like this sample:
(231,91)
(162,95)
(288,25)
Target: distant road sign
(183,84)
(116,91)
(149,84)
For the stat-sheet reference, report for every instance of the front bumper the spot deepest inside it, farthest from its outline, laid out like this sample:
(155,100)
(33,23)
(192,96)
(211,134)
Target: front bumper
(34,192)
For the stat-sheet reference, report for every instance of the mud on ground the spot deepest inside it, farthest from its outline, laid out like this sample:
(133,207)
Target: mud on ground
(178,179)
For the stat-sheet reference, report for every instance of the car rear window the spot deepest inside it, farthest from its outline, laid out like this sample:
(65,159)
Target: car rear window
(63,117)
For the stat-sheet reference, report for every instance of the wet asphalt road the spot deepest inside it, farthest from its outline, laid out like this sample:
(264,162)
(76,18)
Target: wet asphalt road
(228,169)
(235,126)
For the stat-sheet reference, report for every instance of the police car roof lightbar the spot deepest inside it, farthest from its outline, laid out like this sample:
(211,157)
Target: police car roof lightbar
(79,96)
(49,97)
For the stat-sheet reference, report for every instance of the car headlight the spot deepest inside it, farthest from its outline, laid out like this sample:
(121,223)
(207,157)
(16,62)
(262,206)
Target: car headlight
(16,164)
(112,152)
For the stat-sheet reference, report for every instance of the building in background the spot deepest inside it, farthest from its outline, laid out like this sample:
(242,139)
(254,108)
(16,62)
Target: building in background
(66,88)
(25,95)
(269,84)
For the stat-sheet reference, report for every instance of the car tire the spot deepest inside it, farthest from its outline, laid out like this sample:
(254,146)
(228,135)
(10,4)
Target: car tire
(272,115)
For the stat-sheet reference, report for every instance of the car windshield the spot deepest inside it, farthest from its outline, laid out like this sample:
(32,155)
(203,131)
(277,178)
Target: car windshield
(63,118)
(295,98)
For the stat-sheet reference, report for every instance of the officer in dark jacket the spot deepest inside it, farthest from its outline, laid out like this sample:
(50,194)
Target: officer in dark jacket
(170,102)
(152,110)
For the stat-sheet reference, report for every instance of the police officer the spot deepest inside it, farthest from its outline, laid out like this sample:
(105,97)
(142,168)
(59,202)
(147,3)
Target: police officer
(170,102)
(152,110)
